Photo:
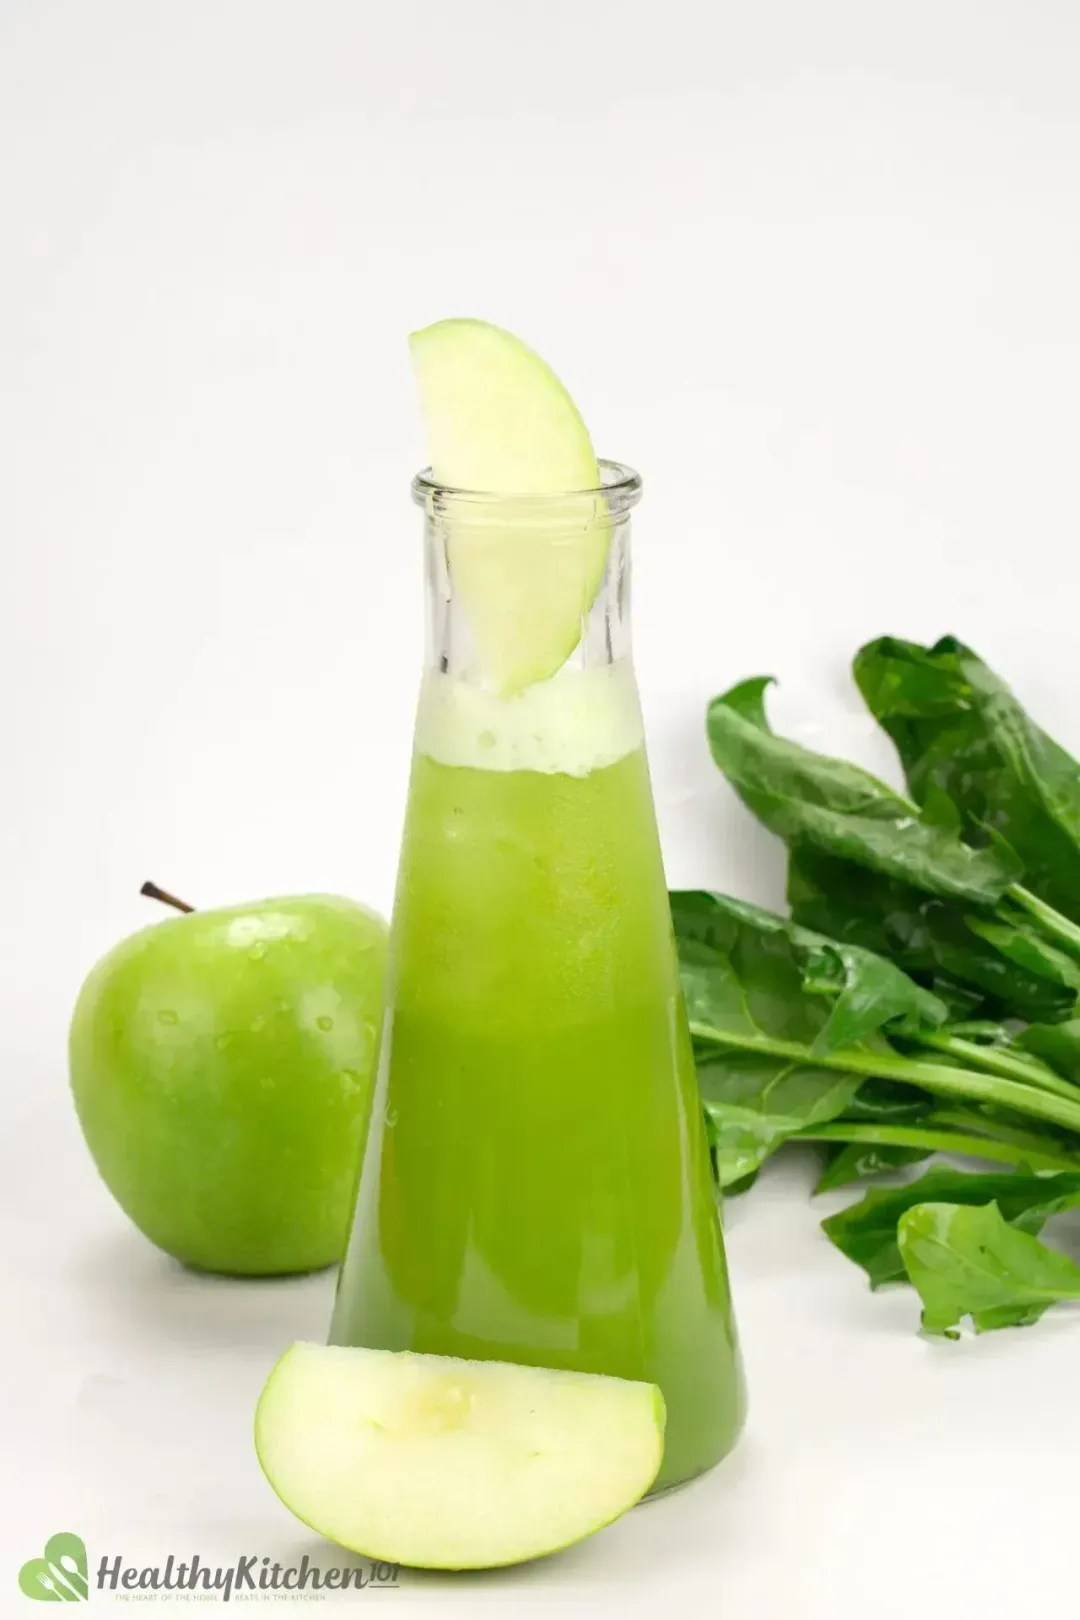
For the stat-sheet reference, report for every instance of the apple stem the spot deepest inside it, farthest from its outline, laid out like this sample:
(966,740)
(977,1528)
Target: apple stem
(152,892)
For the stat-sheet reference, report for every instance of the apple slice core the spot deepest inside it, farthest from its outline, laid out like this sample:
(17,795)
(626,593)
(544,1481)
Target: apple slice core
(441,1463)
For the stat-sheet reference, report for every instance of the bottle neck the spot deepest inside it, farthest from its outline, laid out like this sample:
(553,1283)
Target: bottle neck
(522,588)
(489,621)
(528,629)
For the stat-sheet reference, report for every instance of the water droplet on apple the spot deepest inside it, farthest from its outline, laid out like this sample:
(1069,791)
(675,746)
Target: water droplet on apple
(391,1117)
(257,951)
(324,1021)
(223,1041)
(168,1016)
(258,1022)
(350,1080)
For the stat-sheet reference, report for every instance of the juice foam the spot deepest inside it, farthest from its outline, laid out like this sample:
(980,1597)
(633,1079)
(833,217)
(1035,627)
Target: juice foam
(578,722)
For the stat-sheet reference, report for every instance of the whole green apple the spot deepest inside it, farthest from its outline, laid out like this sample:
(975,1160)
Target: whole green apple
(222,1069)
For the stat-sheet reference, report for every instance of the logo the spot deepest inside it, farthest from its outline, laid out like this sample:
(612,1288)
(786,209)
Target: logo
(61,1575)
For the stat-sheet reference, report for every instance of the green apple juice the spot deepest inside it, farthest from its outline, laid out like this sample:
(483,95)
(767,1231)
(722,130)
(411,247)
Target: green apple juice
(536,1185)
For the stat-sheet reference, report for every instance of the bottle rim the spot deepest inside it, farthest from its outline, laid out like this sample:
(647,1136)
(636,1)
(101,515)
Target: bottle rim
(620,487)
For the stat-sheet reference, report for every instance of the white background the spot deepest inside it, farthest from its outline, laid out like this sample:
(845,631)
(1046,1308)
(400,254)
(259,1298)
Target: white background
(814,267)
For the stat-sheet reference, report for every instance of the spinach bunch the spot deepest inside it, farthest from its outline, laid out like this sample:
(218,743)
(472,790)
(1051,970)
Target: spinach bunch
(917,886)
(962,736)
(922,998)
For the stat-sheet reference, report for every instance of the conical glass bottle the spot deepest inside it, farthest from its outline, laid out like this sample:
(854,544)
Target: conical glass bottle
(535,1185)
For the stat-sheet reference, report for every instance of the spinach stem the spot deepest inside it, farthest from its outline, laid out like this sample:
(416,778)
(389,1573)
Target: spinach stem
(1058,927)
(1006,1064)
(971,1122)
(933,1077)
(975,1147)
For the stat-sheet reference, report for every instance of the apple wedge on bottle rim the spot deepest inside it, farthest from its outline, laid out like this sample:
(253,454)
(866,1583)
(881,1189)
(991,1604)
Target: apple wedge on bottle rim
(526,568)
(441,1463)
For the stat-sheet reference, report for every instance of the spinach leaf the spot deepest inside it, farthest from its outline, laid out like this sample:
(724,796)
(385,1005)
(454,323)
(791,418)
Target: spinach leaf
(743,967)
(961,733)
(858,1161)
(753,1103)
(885,1102)
(868,1141)
(941,943)
(806,797)
(1058,1045)
(971,1261)
(752,975)
(757,983)
(867,1231)
(734,1189)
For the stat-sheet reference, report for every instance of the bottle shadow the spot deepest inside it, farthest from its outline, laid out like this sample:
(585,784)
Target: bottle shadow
(166,1305)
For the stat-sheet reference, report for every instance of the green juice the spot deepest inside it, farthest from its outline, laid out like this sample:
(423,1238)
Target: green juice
(536,1185)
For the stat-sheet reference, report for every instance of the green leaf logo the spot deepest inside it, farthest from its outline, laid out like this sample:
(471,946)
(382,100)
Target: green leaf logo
(60,1576)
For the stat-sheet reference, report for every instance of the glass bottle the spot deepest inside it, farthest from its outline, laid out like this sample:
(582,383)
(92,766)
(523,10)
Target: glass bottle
(535,1185)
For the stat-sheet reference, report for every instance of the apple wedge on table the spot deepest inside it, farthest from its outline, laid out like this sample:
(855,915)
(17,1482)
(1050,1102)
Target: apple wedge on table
(441,1463)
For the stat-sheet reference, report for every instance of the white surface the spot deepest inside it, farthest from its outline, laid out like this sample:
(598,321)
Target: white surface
(812,268)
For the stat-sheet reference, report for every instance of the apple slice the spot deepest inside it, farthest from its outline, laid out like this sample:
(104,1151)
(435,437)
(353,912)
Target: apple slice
(448,1464)
(499,422)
